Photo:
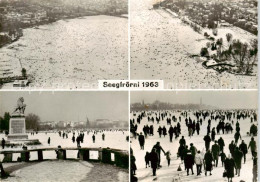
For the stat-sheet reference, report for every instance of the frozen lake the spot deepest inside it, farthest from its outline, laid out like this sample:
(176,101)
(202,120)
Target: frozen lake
(161,46)
(167,174)
(71,53)
(113,139)
(74,171)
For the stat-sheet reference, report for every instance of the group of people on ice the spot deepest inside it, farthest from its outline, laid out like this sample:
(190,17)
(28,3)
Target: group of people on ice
(190,156)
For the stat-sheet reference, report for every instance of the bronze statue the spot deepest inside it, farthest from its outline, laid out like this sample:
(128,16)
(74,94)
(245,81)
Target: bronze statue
(20,108)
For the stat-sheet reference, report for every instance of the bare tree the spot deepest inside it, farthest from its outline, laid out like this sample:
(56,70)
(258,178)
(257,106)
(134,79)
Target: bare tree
(32,121)
(252,56)
(229,37)
(244,55)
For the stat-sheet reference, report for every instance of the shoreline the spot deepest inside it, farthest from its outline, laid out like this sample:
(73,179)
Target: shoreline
(64,18)
(190,22)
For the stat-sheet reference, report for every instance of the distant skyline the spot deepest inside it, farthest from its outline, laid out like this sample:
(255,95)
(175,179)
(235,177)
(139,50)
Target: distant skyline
(69,106)
(219,99)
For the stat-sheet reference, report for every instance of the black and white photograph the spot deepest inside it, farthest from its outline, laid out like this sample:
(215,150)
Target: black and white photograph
(129,90)
(195,44)
(194,136)
(64,136)
(64,44)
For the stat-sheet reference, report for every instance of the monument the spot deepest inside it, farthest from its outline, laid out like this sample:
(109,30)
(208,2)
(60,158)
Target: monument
(17,127)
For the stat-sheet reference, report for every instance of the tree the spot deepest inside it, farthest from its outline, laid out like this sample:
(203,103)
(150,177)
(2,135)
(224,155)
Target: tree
(219,42)
(239,53)
(213,46)
(4,122)
(206,34)
(220,46)
(229,37)
(244,55)
(253,52)
(32,121)
(24,74)
(204,52)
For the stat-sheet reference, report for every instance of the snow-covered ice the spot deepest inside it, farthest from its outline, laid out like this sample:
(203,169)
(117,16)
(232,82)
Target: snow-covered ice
(168,174)
(64,170)
(161,46)
(113,139)
(71,53)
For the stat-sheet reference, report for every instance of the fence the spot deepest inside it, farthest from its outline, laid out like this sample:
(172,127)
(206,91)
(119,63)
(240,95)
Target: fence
(116,157)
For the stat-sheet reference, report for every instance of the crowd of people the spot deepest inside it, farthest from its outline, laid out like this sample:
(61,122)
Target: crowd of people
(230,154)
(77,136)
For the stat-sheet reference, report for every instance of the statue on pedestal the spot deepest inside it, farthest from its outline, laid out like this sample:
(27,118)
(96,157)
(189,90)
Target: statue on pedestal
(20,107)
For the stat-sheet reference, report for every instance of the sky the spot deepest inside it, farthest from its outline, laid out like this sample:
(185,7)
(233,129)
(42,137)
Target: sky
(69,106)
(220,99)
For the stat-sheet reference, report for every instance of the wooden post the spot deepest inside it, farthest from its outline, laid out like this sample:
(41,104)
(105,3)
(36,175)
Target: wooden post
(106,156)
(64,155)
(40,155)
(81,154)
(27,156)
(8,157)
(100,155)
(87,155)
(23,156)
(59,154)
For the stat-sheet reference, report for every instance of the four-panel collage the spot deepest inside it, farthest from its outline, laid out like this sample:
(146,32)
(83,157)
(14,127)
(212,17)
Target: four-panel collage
(129,90)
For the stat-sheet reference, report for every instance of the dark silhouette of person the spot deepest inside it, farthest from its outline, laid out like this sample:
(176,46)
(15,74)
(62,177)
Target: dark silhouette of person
(221,144)
(147,159)
(232,147)
(49,140)
(182,141)
(3,143)
(207,140)
(222,157)
(171,131)
(158,148)
(198,128)
(154,160)
(238,155)
(73,138)
(189,162)
(229,167)
(215,152)
(141,140)
(243,148)
(103,137)
(252,145)
(208,158)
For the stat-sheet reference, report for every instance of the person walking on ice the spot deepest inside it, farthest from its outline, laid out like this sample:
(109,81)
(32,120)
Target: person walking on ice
(158,150)
(168,157)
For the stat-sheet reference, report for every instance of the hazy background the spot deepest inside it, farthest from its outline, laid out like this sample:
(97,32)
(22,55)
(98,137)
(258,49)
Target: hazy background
(69,106)
(220,99)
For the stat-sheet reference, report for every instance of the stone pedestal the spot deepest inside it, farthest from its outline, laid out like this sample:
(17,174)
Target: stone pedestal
(17,129)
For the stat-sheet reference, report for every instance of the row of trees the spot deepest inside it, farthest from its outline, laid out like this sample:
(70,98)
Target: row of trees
(157,105)
(244,55)
(31,120)
(214,14)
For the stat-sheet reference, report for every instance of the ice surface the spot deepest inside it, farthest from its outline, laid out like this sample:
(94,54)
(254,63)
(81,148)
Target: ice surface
(168,174)
(161,46)
(64,53)
(113,139)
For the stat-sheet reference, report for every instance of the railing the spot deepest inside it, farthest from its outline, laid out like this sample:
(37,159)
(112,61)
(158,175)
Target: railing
(116,157)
